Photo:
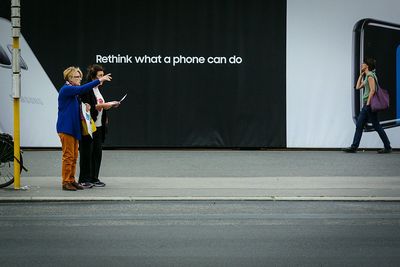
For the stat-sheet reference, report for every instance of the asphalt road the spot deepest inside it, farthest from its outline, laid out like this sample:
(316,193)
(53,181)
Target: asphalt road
(195,233)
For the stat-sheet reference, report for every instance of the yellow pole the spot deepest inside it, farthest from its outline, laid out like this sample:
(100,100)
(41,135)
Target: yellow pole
(16,84)
(17,167)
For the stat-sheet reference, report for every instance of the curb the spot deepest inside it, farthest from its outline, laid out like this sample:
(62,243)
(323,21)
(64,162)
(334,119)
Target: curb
(132,199)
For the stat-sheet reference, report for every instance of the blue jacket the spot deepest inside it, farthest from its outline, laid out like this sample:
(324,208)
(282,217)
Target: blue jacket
(69,121)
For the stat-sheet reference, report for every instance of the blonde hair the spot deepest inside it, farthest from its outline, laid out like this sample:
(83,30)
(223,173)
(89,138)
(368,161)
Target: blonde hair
(68,72)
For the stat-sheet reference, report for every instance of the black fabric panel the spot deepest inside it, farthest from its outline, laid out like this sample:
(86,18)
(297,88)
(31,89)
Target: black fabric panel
(189,105)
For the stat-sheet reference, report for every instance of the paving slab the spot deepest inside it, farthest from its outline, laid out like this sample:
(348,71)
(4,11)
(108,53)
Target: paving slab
(212,188)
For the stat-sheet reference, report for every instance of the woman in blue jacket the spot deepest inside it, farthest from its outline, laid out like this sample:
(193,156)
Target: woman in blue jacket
(69,122)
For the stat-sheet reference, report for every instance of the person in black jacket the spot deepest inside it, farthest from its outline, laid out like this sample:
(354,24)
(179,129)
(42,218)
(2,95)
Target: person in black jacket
(90,148)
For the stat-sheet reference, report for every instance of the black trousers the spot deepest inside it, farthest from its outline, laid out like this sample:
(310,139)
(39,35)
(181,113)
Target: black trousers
(90,153)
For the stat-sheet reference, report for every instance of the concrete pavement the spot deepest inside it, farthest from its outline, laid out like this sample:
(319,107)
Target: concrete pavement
(219,175)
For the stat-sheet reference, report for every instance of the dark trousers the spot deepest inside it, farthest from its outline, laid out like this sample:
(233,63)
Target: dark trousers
(366,114)
(90,152)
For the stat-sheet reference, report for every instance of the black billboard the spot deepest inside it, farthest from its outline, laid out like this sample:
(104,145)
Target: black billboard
(196,73)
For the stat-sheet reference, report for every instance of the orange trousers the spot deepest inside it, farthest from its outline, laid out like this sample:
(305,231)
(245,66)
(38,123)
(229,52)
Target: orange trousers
(69,157)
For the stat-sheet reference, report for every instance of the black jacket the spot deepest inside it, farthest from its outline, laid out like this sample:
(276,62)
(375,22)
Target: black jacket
(90,98)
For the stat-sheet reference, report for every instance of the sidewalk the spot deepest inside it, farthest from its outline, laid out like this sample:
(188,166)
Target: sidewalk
(212,188)
(219,175)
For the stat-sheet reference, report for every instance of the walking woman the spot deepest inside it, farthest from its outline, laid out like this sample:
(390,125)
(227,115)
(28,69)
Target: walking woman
(90,149)
(69,122)
(367,80)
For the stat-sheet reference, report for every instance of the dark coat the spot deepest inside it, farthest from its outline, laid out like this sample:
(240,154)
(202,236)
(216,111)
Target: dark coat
(90,99)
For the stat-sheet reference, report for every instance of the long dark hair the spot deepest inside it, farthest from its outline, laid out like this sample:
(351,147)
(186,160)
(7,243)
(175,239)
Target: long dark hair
(371,63)
(92,72)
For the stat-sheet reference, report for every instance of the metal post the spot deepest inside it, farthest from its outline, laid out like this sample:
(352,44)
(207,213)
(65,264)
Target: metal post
(16,84)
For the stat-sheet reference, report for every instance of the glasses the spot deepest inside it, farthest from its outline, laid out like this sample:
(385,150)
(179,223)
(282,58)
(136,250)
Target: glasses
(77,77)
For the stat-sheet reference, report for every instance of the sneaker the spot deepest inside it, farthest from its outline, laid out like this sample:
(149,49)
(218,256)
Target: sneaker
(385,151)
(77,186)
(68,187)
(86,185)
(350,150)
(99,184)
